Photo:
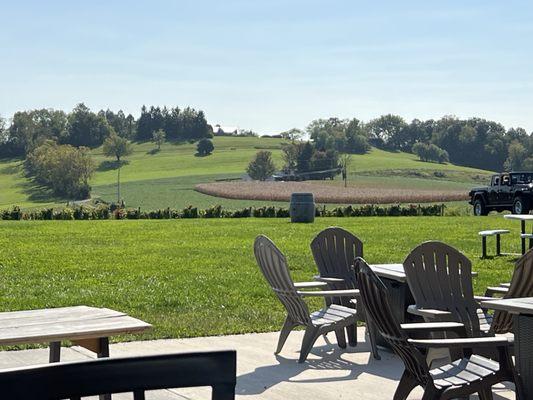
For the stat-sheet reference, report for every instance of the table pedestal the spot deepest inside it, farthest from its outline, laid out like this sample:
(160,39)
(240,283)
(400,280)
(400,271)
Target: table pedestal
(523,329)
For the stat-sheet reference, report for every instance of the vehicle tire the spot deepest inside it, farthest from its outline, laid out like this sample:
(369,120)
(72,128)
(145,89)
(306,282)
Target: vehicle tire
(479,208)
(520,206)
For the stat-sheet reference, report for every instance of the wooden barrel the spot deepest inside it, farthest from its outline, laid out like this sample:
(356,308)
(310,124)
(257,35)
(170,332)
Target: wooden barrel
(302,207)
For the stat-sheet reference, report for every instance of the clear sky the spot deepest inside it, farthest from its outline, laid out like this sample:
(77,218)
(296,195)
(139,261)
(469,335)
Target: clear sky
(272,65)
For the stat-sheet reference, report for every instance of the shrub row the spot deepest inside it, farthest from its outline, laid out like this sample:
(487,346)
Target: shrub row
(103,211)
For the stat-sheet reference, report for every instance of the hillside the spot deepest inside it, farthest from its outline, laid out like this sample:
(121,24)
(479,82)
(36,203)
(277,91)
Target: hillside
(167,178)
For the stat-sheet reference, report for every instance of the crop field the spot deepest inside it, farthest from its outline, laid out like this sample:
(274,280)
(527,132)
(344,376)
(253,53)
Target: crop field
(199,277)
(158,179)
(324,193)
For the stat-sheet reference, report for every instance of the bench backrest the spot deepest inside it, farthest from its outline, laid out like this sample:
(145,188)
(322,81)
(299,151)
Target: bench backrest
(123,375)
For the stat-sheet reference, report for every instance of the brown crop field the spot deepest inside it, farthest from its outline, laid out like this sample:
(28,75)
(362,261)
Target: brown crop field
(326,193)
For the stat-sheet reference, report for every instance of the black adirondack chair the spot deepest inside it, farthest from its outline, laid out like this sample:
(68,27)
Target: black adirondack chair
(334,250)
(123,375)
(440,278)
(331,318)
(462,377)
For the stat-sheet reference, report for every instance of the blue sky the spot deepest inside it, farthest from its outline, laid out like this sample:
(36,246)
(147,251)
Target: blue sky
(272,65)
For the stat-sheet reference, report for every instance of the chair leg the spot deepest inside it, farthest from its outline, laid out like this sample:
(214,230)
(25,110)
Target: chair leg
(372,330)
(351,332)
(430,393)
(310,337)
(485,394)
(406,386)
(288,326)
(341,338)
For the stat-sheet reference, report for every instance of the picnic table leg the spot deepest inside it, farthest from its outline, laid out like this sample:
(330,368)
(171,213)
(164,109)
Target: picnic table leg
(484,247)
(103,352)
(55,352)
(498,245)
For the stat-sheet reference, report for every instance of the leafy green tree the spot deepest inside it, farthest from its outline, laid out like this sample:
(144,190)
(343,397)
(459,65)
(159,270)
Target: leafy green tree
(261,167)
(116,146)
(305,153)
(517,156)
(86,128)
(65,169)
(159,138)
(356,138)
(30,129)
(430,152)
(387,131)
(289,154)
(292,134)
(204,147)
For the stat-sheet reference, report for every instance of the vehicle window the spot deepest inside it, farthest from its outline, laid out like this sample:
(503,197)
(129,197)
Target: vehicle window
(496,181)
(515,179)
(505,180)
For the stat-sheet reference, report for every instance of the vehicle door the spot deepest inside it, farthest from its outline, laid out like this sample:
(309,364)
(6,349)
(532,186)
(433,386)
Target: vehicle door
(504,194)
(493,190)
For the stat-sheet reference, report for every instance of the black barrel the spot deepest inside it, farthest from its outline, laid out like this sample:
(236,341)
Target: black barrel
(302,207)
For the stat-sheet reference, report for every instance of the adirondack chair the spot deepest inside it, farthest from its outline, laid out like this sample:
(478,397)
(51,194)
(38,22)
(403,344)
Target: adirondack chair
(503,288)
(462,377)
(121,375)
(521,285)
(334,250)
(440,278)
(333,317)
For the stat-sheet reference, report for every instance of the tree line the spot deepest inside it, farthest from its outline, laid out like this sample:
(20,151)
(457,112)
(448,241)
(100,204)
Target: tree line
(473,142)
(83,127)
(55,144)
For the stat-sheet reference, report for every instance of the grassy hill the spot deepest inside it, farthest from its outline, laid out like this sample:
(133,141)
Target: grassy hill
(167,178)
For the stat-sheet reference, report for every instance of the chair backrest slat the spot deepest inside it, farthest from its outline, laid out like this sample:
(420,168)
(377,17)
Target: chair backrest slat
(440,277)
(521,286)
(274,267)
(124,375)
(375,300)
(334,250)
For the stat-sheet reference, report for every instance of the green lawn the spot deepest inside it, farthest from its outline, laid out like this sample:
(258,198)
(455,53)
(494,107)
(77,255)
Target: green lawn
(167,178)
(198,277)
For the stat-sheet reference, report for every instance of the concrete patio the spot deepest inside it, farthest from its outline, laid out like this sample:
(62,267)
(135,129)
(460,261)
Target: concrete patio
(328,374)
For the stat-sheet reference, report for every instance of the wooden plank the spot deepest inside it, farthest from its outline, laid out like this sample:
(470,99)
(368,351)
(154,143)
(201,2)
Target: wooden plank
(514,306)
(53,318)
(389,271)
(74,330)
(49,311)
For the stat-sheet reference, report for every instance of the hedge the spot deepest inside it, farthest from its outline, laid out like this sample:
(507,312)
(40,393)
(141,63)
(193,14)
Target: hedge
(104,211)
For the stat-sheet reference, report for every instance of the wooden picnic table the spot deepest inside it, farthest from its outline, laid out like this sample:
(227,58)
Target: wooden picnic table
(84,326)
(522,310)
(522,218)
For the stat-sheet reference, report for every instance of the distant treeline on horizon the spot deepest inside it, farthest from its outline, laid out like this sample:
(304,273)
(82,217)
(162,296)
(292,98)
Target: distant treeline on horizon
(473,142)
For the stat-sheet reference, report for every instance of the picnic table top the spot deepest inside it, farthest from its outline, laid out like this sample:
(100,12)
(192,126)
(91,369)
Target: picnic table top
(523,305)
(65,323)
(520,217)
(390,271)
(393,271)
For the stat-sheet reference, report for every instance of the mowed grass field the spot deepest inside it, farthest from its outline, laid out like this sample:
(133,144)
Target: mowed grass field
(199,277)
(167,178)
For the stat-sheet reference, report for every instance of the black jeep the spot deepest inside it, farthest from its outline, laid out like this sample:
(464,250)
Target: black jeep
(508,191)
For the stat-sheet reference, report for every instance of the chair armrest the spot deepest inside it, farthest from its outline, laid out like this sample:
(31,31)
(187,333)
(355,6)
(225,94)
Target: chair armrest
(310,285)
(319,278)
(428,313)
(455,327)
(463,342)
(492,290)
(330,293)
